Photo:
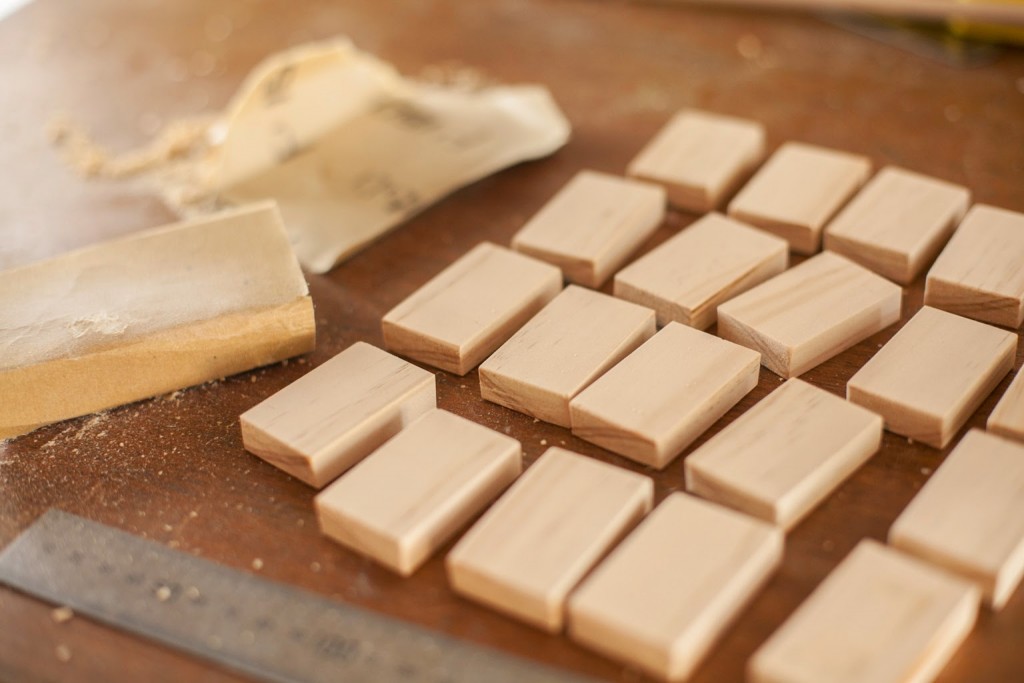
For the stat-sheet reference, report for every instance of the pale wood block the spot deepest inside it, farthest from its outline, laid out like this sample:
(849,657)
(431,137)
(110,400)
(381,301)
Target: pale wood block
(593,225)
(471,308)
(969,517)
(335,415)
(667,593)
(685,278)
(879,617)
(898,223)
(933,374)
(147,314)
(561,350)
(798,191)
(534,545)
(407,498)
(700,158)
(1007,419)
(980,273)
(782,457)
(664,395)
(810,313)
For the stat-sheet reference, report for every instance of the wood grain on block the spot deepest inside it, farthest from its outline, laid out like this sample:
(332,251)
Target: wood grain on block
(969,517)
(797,192)
(879,617)
(667,593)
(685,278)
(700,158)
(980,273)
(150,313)
(335,415)
(534,545)
(782,457)
(407,498)
(664,395)
(810,313)
(593,225)
(898,223)
(561,350)
(933,374)
(471,308)
(1007,418)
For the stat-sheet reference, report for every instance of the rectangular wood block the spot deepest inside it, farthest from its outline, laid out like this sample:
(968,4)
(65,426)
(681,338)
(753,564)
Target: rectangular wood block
(1007,418)
(534,545)
(797,192)
(898,223)
(147,314)
(782,457)
(969,517)
(593,225)
(561,350)
(408,497)
(685,278)
(700,158)
(335,415)
(879,617)
(810,313)
(667,593)
(980,273)
(661,397)
(933,374)
(471,308)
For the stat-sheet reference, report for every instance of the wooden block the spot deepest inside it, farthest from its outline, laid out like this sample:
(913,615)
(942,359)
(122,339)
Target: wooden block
(700,158)
(147,314)
(980,273)
(1007,419)
(810,313)
(782,457)
(534,545)
(338,413)
(561,350)
(933,374)
(593,225)
(666,594)
(798,190)
(898,223)
(687,277)
(471,308)
(969,517)
(879,617)
(661,397)
(407,498)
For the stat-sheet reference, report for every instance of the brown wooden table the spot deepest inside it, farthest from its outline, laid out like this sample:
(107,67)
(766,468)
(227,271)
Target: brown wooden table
(173,468)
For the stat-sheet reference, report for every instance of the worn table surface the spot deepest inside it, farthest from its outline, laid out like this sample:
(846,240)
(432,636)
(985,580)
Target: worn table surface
(173,468)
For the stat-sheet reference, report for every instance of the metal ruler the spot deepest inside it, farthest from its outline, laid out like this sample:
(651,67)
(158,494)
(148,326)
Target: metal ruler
(268,630)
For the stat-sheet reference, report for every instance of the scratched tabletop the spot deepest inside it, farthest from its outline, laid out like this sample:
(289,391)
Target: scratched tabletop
(173,469)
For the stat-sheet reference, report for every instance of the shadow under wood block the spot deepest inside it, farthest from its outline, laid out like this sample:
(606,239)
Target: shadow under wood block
(407,498)
(149,313)
(980,273)
(534,545)
(880,616)
(561,350)
(782,457)
(1007,418)
(700,158)
(331,418)
(685,278)
(664,395)
(933,374)
(969,517)
(667,593)
(898,223)
(593,225)
(810,313)
(797,192)
(468,310)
